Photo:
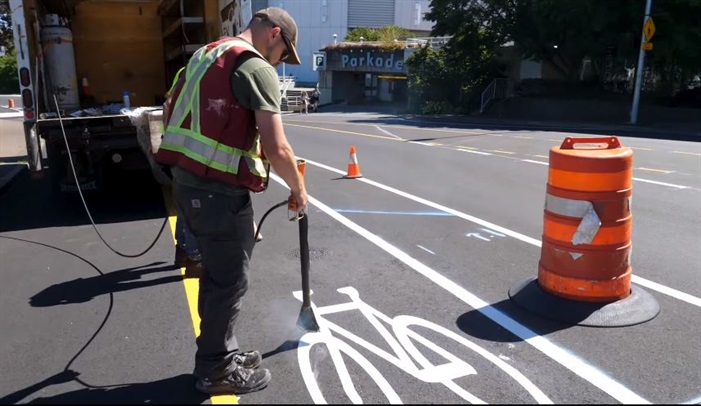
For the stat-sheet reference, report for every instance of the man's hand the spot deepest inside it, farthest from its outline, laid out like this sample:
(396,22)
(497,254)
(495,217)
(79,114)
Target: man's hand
(298,201)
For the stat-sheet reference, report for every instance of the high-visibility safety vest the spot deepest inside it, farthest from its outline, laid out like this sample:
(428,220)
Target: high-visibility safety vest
(208,132)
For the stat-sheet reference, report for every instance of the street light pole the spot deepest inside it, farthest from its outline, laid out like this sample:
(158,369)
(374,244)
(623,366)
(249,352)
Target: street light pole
(639,70)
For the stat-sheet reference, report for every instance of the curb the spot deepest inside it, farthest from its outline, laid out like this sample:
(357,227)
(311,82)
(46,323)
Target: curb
(9,175)
(619,129)
(11,114)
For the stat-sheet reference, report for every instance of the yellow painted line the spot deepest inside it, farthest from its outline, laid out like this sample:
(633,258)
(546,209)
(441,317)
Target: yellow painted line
(641,148)
(502,152)
(192,290)
(655,170)
(399,126)
(686,153)
(347,132)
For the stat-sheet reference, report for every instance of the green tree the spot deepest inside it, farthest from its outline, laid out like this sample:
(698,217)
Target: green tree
(563,33)
(6,26)
(9,82)
(456,73)
(676,55)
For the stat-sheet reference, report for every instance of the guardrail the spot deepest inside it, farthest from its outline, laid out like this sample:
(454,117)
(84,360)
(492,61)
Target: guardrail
(499,88)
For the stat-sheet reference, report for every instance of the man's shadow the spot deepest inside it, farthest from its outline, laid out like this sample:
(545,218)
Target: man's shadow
(82,290)
(178,389)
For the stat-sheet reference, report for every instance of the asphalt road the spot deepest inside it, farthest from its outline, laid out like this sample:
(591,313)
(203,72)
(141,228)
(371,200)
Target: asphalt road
(444,222)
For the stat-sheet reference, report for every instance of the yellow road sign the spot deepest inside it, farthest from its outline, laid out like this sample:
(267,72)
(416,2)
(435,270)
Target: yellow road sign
(647,46)
(649,29)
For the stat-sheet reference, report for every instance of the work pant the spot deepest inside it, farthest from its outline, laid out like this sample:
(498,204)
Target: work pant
(223,226)
(185,239)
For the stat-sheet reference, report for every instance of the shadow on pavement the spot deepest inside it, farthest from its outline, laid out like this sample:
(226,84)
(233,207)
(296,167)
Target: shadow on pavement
(32,204)
(82,290)
(476,324)
(460,123)
(176,390)
(388,115)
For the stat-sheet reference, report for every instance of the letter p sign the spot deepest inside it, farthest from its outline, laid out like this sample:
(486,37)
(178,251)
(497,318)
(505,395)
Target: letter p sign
(319,61)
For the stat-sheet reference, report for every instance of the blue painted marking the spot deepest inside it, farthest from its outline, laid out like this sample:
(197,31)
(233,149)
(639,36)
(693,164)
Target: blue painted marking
(405,213)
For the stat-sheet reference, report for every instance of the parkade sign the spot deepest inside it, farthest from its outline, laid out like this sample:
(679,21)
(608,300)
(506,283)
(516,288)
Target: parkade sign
(365,60)
(372,60)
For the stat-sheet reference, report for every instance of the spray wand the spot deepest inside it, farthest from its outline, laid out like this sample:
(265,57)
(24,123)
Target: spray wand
(306,319)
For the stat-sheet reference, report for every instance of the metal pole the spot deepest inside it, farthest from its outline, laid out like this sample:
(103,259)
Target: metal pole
(284,82)
(639,70)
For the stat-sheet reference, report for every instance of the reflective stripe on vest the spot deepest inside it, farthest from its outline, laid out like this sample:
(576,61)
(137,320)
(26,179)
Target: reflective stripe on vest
(191,142)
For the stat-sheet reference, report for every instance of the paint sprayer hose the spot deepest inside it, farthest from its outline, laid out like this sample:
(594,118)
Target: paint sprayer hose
(260,224)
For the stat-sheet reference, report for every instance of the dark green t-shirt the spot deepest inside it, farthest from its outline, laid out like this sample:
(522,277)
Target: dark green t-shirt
(256,86)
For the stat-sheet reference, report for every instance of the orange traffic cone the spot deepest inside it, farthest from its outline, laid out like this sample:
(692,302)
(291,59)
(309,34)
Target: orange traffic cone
(353,168)
(10,103)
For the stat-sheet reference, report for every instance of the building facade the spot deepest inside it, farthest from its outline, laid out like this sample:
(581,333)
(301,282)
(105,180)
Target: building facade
(323,22)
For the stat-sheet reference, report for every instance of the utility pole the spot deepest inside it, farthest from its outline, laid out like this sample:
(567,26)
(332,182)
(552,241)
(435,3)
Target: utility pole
(640,68)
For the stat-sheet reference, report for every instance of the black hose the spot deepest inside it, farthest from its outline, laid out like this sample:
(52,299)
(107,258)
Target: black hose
(260,224)
(85,205)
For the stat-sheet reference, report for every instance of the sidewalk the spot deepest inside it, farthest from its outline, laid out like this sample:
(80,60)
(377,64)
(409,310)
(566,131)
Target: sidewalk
(13,151)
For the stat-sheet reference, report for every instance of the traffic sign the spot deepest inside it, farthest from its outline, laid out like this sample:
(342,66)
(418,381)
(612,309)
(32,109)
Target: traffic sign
(649,29)
(319,61)
(647,46)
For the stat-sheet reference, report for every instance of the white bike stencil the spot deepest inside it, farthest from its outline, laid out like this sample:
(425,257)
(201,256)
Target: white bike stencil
(405,354)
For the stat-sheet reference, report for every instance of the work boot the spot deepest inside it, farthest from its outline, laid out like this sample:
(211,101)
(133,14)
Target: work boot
(250,359)
(241,380)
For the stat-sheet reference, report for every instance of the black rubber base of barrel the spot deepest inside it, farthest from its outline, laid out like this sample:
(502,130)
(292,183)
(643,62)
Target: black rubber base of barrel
(637,308)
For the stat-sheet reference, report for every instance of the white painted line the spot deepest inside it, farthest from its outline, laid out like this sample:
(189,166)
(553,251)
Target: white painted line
(474,152)
(641,148)
(661,183)
(503,152)
(389,133)
(651,285)
(428,144)
(534,162)
(565,358)
(667,290)
(523,136)
(477,235)
(493,232)
(655,170)
(686,153)
(426,249)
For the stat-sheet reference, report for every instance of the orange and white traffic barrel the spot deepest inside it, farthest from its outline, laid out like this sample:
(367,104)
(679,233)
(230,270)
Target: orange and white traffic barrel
(587,221)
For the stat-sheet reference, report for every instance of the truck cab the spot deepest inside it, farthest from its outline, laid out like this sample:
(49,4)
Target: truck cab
(86,66)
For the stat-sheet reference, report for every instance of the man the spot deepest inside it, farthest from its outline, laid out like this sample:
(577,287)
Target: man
(225,106)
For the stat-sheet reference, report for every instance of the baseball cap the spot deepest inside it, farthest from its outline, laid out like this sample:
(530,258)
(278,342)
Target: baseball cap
(288,28)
